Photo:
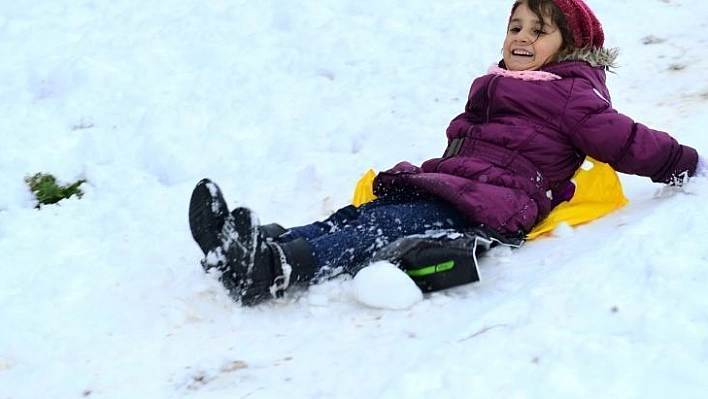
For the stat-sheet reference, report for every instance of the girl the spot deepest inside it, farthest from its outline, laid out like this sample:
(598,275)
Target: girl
(527,126)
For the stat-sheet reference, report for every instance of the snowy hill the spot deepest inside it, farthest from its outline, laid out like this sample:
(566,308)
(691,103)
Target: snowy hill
(285,105)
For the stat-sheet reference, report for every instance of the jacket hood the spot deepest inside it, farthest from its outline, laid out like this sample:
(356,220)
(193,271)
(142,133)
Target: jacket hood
(596,57)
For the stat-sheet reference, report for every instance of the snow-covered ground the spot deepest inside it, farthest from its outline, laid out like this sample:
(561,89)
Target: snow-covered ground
(286,105)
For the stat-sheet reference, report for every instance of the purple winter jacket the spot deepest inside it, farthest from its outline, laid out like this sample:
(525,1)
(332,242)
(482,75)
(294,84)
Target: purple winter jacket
(518,143)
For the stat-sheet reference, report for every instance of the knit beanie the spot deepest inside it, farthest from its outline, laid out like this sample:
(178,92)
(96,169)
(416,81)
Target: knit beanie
(586,28)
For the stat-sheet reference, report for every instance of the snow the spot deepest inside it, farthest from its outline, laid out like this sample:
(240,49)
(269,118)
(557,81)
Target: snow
(285,105)
(383,285)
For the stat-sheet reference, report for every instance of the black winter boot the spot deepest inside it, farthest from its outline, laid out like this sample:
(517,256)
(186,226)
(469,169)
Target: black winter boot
(253,265)
(215,231)
(266,267)
(272,230)
(276,267)
(207,214)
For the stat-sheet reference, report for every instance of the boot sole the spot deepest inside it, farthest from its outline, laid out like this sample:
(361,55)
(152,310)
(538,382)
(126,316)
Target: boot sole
(207,213)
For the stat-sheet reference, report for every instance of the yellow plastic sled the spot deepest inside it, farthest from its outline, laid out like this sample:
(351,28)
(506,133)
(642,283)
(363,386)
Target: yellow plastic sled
(598,191)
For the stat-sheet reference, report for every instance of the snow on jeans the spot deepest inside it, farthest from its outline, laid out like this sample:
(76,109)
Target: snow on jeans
(348,239)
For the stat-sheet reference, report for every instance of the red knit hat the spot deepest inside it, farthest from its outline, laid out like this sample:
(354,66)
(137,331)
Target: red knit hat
(586,28)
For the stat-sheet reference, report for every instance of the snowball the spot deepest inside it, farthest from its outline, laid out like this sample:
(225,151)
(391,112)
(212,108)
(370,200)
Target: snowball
(383,285)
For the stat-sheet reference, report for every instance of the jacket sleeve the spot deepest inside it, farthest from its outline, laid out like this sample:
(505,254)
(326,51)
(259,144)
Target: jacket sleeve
(629,147)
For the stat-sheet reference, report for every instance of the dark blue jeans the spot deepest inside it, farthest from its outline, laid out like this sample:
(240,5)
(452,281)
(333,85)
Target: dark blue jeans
(348,239)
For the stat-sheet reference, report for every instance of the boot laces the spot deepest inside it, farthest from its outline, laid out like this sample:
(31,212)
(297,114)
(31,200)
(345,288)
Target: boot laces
(282,279)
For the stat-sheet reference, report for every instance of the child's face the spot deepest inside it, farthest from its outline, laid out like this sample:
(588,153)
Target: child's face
(527,47)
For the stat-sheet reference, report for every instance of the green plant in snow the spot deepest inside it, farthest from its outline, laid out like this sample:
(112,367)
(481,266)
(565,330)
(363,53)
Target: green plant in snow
(47,191)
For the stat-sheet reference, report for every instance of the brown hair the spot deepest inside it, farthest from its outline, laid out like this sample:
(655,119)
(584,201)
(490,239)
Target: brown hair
(548,9)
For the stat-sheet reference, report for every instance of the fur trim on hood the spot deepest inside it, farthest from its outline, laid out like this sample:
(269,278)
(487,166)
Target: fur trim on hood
(597,56)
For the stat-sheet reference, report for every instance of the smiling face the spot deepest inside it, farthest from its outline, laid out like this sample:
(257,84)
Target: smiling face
(530,43)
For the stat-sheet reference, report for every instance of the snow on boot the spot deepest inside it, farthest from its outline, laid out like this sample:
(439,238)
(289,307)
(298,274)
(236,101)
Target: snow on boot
(276,266)
(265,268)
(271,231)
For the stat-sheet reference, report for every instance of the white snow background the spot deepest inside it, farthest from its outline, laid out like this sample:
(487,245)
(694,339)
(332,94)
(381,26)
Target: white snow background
(285,105)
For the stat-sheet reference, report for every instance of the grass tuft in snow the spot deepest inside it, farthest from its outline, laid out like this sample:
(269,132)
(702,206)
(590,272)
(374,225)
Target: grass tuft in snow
(48,191)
